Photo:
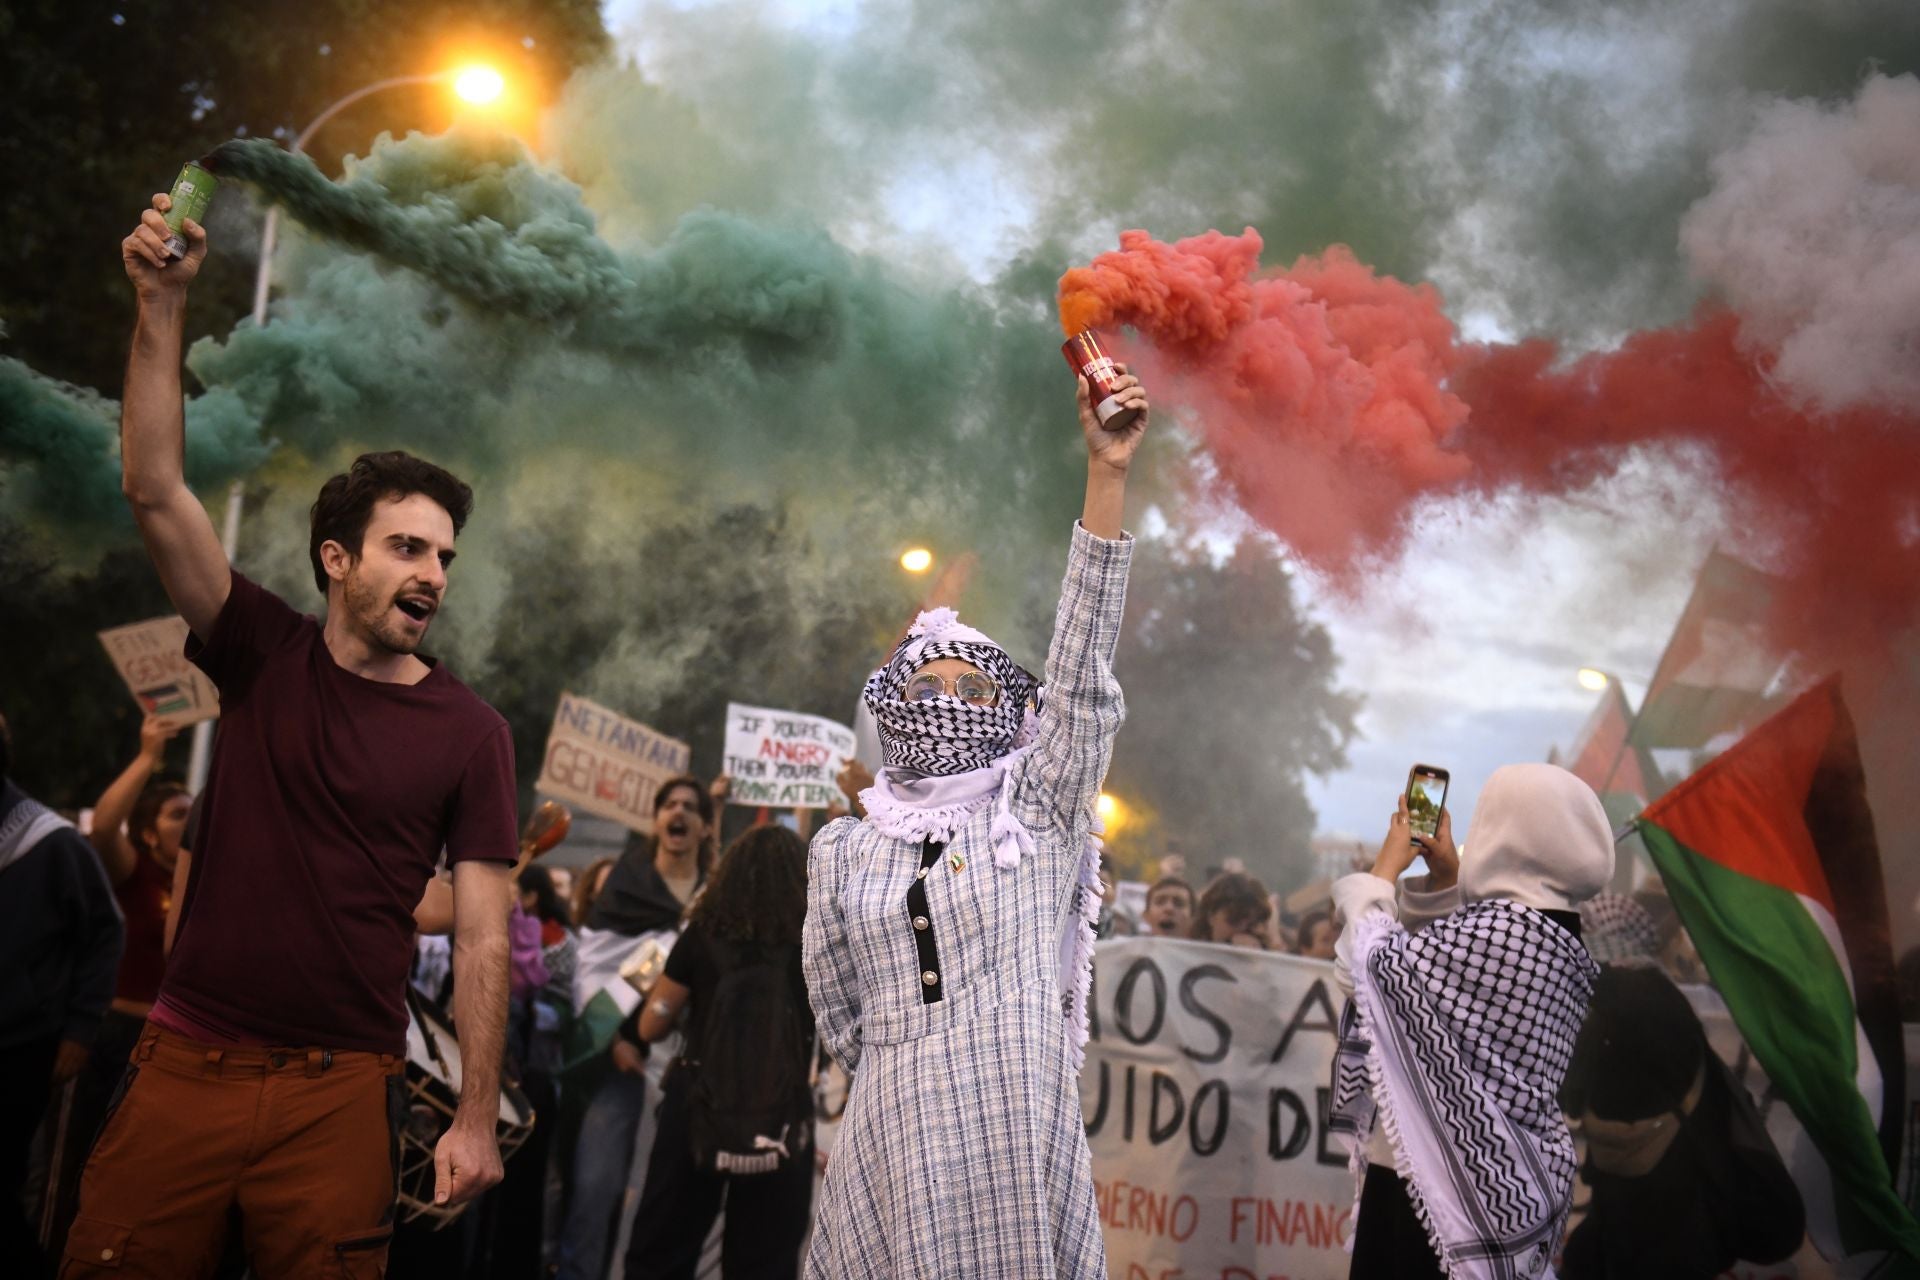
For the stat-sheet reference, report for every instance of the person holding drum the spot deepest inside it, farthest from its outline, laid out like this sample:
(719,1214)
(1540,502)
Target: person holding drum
(268,1078)
(949,930)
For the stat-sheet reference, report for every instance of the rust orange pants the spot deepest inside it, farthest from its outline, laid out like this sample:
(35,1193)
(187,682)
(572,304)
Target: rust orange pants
(302,1140)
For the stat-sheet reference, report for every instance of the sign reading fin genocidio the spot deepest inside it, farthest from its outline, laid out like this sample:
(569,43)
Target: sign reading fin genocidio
(606,764)
(783,759)
(151,657)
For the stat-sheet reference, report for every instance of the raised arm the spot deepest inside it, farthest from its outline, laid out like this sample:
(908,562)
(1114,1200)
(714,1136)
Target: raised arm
(1109,455)
(467,1158)
(193,568)
(111,811)
(1084,707)
(1386,887)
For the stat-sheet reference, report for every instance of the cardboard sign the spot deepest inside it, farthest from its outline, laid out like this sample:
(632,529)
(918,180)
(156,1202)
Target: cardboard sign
(783,759)
(151,657)
(600,761)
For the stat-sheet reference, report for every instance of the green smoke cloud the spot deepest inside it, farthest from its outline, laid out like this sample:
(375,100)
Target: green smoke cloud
(752,392)
(473,214)
(61,447)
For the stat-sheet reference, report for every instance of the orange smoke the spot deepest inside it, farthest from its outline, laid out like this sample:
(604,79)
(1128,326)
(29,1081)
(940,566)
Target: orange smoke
(1320,391)
(1331,399)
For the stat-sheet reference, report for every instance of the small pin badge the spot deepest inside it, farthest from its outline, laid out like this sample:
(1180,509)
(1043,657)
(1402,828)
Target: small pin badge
(957,862)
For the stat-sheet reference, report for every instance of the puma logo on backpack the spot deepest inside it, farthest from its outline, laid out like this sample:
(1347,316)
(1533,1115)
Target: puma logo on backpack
(751,1106)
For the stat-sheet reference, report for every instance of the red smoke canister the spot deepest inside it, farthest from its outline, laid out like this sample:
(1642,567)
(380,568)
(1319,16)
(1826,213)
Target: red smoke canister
(1086,357)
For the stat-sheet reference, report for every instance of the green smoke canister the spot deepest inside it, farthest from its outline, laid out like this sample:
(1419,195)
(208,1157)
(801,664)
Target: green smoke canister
(192,193)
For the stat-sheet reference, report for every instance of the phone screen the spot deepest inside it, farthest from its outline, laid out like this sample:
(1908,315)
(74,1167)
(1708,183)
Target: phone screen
(1426,796)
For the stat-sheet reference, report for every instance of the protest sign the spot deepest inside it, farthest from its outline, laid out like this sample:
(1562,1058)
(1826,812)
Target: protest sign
(600,761)
(1205,1099)
(151,657)
(1205,1096)
(783,759)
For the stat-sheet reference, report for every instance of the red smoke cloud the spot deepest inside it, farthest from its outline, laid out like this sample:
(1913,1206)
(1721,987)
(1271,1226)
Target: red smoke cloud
(1332,399)
(1320,392)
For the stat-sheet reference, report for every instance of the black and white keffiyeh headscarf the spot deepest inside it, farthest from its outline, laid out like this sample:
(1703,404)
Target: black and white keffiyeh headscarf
(943,760)
(1617,930)
(1456,1041)
(944,736)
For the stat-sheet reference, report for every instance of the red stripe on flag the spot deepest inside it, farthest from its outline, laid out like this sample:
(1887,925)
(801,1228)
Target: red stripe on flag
(1744,809)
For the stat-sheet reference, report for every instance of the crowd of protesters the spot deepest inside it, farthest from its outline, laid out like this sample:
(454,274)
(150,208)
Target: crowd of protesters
(590,1176)
(222,1107)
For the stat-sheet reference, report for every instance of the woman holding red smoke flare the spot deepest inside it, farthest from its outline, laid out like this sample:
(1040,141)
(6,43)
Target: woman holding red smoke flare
(949,929)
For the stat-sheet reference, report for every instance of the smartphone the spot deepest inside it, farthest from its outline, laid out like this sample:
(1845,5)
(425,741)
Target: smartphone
(1426,796)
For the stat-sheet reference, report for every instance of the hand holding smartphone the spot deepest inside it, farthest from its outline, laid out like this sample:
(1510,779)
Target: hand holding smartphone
(1426,797)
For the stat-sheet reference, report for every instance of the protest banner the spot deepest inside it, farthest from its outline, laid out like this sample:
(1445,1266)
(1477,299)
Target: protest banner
(151,657)
(1205,1094)
(783,759)
(1205,1100)
(600,761)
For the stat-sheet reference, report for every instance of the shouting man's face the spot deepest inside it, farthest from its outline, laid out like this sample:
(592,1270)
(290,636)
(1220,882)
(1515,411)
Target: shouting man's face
(677,824)
(393,588)
(1170,911)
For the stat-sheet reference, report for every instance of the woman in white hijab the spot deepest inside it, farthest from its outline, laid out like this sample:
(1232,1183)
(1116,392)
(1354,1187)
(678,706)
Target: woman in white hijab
(1468,991)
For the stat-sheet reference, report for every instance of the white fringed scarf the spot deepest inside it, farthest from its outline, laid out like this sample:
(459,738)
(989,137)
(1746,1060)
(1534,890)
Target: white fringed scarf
(1456,1042)
(909,804)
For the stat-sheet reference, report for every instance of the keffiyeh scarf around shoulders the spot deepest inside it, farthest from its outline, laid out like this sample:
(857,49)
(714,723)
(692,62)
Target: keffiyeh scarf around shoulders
(24,823)
(1456,1041)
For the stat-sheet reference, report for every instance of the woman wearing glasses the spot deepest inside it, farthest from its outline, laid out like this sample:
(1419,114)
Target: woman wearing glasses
(949,930)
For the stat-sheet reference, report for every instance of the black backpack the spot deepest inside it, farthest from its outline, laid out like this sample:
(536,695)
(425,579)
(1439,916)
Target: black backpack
(751,1104)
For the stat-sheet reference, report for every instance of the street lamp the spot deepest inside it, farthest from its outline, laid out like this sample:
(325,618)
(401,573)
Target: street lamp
(478,85)
(917,560)
(475,84)
(1593,679)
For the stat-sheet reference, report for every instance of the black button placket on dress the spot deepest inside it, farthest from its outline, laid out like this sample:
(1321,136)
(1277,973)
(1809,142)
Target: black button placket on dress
(921,920)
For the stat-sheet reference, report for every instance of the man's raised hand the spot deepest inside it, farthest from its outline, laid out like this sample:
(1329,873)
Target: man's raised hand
(156,273)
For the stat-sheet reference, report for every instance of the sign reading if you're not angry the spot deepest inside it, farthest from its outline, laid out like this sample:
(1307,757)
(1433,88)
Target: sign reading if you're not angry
(600,761)
(783,759)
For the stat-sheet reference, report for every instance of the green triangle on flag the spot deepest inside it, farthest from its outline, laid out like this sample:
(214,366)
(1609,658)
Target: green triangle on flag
(1769,855)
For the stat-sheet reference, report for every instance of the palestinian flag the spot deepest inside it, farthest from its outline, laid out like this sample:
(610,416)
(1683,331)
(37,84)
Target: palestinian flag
(602,998)
(1604,758)
(1768,853)
(1718,668)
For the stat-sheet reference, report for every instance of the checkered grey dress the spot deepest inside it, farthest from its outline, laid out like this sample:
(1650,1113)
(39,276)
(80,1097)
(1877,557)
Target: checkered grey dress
(961,1153)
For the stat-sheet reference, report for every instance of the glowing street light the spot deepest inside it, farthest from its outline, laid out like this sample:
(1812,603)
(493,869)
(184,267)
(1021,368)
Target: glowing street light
(479,85)
(1112,812)
(1593,680)
(918,560)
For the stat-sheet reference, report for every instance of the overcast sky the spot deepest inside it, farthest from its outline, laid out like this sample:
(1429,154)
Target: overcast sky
(1466,651)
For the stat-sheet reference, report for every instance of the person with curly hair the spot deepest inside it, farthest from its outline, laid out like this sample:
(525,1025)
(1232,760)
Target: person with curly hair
(738,960)
(1233,910)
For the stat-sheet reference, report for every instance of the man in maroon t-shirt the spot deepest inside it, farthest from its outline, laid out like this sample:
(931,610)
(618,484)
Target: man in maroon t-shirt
(269,1076)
